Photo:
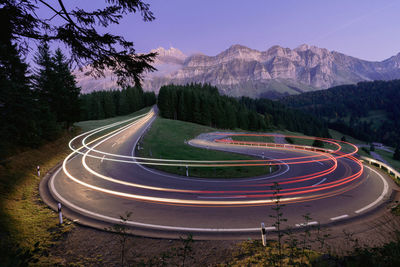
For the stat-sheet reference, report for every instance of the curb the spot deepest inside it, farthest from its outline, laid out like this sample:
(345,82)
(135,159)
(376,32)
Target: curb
(86,220)
(98,224)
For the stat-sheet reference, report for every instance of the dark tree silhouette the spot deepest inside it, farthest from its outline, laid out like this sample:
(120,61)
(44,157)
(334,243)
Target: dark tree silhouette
(203,104)
(82,32)
(396,154)
(368,110)
(105,104)
(318,143)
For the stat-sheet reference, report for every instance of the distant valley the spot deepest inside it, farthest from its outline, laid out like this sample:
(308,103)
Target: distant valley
(242,71)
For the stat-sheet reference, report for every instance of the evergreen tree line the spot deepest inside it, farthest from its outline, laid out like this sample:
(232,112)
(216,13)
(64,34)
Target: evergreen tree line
(106,104)
(34,107)
(283,117)
(347,108)
(203,104)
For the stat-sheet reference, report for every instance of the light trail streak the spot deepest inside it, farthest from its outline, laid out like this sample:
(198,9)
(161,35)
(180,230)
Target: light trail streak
(292,195)
(149,115)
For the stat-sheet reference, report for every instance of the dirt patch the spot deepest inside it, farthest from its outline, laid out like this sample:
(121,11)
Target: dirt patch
(87,246)
(90,247)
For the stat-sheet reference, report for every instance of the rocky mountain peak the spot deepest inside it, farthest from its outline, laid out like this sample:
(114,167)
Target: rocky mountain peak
(394,61)
(278,71)
(311,48)
(278,51)
(238,52)
(237,47)
(172,53)
(303,47)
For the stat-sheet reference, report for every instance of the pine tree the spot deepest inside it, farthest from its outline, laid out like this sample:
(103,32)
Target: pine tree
(124,103)
(163,102)
(43,84)
(149,98)
(396,154)
(78,30)
(181,106)
(108,105)
(252,117)
(318,143)
(44,75)
(56,86)
(65,95)
(17,106)
(372,147)
(116,97)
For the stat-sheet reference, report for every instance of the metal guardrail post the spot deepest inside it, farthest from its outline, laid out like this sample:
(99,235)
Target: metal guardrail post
(383,166)
(263,235)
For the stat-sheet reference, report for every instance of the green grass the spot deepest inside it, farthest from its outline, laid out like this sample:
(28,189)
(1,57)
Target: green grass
(301,141)
(85,126)
(361,152)
(265,139)
(337,135)
(93,124)
(377,117)
(165,140)
(389,158)
(253,253)
(24,218)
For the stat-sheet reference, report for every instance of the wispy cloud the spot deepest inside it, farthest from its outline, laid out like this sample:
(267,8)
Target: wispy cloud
(353,21)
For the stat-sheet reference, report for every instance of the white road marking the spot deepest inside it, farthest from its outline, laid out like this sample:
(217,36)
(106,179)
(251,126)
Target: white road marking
(339,217)
(114,144)
(203,180)
(320,182)
(310,223)
(133,223)
(319,162)
(384,192)
(103,158)
(305,224)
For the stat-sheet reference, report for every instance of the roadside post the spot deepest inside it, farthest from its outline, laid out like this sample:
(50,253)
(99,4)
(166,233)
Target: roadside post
(60,213)
(38,170)
(187,171)
(263,235)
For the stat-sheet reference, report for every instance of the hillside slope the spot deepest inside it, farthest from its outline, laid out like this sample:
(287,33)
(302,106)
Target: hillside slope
(368,110)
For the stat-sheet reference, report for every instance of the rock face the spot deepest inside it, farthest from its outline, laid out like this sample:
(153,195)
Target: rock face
(241,71)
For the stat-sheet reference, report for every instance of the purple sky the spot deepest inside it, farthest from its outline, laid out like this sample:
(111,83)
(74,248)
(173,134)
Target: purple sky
(367,29)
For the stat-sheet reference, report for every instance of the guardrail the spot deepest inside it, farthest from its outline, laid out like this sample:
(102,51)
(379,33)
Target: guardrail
(383,166)
(371,161)
(274,145)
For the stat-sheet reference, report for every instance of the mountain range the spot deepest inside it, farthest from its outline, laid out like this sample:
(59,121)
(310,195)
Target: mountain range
(242,71)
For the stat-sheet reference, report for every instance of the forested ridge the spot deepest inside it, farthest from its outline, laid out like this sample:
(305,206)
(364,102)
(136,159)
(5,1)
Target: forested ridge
(352,109)
(203,104)
(36,107)
(38,101)
(106,104)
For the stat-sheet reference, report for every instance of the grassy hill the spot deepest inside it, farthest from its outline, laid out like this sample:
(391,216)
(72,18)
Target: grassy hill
(165,140)
(368,111)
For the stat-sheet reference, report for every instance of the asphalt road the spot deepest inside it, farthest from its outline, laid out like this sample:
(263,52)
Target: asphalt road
(98,190)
